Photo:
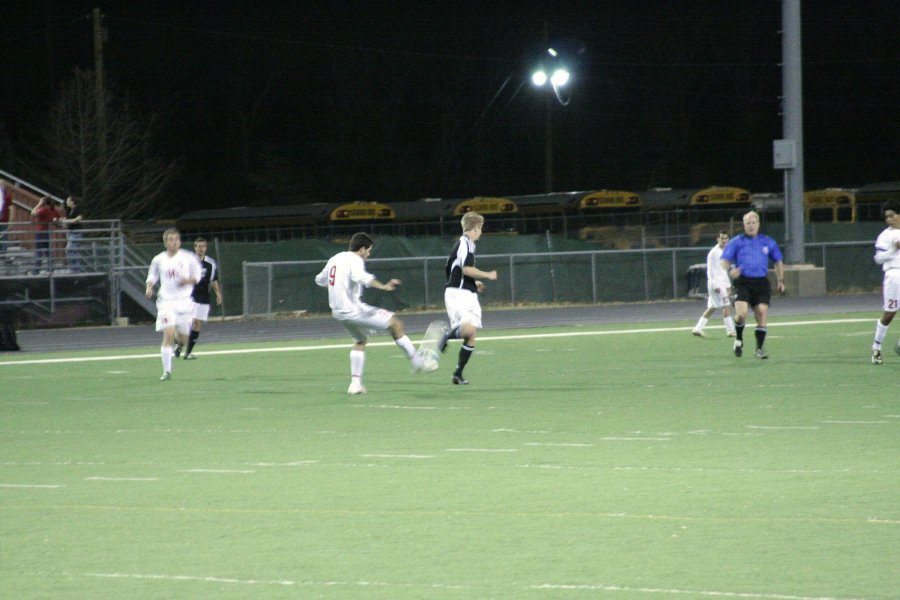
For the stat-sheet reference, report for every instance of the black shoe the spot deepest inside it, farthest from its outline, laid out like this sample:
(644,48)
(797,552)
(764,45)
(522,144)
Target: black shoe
(458,380)
(177,350)
(738,348)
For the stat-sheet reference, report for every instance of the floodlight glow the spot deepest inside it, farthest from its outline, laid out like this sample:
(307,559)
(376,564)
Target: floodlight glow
(539,78)
(560,78)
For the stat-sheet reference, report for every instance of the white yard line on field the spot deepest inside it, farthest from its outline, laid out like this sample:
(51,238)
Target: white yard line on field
(343,346)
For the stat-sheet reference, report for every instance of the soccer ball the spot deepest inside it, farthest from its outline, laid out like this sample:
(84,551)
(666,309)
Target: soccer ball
(429,364)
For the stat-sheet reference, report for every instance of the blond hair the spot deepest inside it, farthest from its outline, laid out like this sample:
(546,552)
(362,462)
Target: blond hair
(170,231)
(470,221)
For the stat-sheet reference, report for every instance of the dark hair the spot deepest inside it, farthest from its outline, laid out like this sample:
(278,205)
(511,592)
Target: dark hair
(891,204)
(360,240)
(200,239)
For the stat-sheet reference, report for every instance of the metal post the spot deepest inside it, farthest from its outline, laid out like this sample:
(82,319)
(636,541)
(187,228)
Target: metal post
(512,281)
(269,291)
(793,127)
(425,277)
(674,274)
(219,267)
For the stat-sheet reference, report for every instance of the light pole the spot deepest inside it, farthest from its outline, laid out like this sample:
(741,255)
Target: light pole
(558,80)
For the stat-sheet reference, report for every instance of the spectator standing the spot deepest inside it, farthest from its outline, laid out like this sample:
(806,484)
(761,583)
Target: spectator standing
(176,271)
(72,222)
(346,277)
(746,259)
(887,254)
(209,279)
(718,285)
(5,203)
(44,214)
(461,293)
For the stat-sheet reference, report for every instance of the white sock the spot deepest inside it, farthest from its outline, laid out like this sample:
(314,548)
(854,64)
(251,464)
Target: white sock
(407,346)
(729,324)
(703,322)
(357,365)
(880,332)
(167,353)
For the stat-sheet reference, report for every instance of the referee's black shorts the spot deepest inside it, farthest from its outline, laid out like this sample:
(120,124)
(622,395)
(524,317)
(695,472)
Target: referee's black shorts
(752,290)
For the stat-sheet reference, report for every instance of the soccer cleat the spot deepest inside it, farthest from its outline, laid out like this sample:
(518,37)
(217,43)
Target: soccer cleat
(698,333)
(731,334)
(356,388)
(190,357)
(177,350)
(738,348)
(165,376)
(876,357)
(761,353)
(458,380)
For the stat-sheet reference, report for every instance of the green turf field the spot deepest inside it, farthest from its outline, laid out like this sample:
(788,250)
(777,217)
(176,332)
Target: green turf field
(629,461)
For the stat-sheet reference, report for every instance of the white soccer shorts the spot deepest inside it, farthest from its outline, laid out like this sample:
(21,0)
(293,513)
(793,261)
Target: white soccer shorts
(462,307)
(201,311)
(892,290)
(177,314)
(368,320)
(717,300)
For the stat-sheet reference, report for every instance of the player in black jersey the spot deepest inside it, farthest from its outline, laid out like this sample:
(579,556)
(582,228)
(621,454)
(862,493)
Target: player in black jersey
(461,293)
(209,280)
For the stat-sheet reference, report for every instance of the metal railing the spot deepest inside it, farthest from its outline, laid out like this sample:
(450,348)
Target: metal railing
(38,280)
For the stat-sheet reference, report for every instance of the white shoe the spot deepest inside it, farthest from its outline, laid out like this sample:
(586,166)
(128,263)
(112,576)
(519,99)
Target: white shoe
(698,333)
(356,388)
(165,376)
(731,334)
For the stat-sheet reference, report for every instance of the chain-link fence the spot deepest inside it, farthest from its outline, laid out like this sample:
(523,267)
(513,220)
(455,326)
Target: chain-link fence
(548,277)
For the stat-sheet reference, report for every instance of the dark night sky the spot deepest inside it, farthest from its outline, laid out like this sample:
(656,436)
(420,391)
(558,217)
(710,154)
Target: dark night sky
(264,104)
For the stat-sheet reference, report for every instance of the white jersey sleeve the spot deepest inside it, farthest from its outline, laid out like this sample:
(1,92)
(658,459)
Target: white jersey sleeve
(886,253)
(716,276)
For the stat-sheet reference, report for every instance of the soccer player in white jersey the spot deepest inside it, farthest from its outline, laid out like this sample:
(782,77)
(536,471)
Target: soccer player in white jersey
(345,276)
(718,284)
(176,271)
(887,254)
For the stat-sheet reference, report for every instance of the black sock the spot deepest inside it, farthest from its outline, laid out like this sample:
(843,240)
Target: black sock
(739,328)
(464,353)
(760,337)
(192,339)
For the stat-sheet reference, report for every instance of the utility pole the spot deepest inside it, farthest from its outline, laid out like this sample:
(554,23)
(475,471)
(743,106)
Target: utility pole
(548,129)
(789,151)
(100,93)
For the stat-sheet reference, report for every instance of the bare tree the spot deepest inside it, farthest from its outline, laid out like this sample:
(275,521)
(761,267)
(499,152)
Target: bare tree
(117,176)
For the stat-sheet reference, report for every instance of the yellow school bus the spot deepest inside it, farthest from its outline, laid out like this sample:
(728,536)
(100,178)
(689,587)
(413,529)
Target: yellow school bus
(486,205)
(830,205)
(610,199)
(362,211)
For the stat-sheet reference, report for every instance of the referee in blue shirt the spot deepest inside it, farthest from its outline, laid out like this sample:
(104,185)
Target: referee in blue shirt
(746,258)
